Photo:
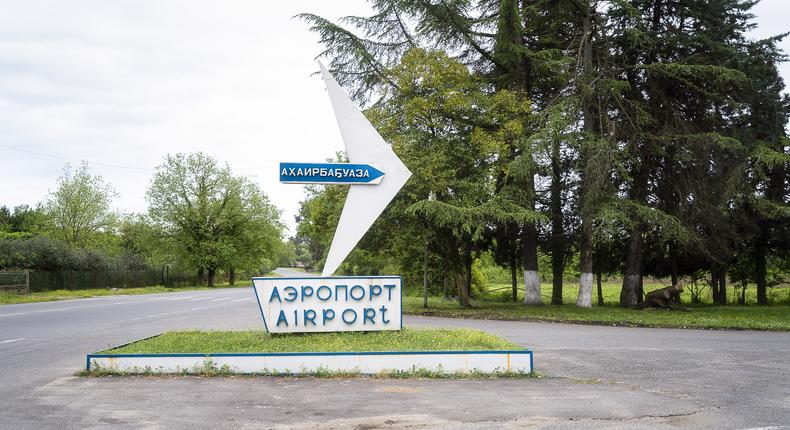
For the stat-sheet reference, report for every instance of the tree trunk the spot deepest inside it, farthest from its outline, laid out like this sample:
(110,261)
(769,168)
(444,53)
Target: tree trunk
(463,294)
(640,293)
(211,275)
(425,277)
(629,295)
(722,285)
(530,257)
(673,263)
(557,230)
(600,289)
(530,253)
(760,272)
(201,276)
(585,265)
(468,269)
(584,300)
(714,282)
(231,276)
(514,274)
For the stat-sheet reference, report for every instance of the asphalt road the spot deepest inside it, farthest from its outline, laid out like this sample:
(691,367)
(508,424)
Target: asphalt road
(598,377)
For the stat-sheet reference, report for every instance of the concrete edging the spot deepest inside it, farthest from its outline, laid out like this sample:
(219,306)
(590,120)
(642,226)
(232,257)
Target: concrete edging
(446,362)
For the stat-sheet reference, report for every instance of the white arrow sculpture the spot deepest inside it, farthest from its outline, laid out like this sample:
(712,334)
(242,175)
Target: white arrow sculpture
(364,203)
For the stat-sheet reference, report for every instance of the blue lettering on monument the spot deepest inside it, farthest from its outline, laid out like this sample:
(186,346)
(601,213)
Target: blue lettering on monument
(275,293)
(349,312)
(292,294)
(305,293)
(302,305)
(361,291)
(328,291)
(282,319)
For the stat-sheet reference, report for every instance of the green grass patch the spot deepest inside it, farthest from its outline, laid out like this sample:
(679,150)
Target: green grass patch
(776,317)
(49,296)
(211,342)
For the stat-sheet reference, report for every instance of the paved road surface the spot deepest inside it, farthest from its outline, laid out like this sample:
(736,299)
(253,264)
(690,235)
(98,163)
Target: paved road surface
(600,377)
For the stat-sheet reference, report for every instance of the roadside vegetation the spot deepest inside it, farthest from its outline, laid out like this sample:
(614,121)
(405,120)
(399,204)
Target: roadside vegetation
(494,301)
(775,318)
(591,139)
(207,342)
(55,295)
(204,226)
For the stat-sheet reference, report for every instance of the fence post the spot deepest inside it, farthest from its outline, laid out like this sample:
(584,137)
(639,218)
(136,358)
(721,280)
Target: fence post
(27,281)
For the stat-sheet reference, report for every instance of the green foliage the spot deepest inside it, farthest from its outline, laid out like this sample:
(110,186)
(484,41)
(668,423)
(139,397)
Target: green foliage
(211,219)
(318,216)
(43,253)
(652,132)
(78,211)
(22,222)
(286,254)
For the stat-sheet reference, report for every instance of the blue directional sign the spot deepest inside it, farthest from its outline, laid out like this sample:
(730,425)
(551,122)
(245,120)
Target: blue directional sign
(329,173)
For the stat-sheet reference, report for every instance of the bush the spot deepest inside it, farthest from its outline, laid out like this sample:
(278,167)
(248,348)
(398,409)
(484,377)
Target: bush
(43,253)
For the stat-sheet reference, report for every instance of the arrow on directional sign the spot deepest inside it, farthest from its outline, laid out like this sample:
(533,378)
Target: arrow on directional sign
(363,145)
(329,173)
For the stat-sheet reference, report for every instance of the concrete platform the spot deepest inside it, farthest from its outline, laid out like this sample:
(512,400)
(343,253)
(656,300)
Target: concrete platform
(368,363)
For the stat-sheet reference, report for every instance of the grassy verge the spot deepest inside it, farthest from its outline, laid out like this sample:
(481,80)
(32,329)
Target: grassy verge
(611,293)
(776,317)
(208,342)
(48,296)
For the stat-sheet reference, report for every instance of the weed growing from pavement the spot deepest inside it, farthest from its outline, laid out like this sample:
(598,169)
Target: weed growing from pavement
(213,372)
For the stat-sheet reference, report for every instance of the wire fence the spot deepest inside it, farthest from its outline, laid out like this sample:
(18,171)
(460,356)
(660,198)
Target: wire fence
(32,281)
(15,282)
(45,280)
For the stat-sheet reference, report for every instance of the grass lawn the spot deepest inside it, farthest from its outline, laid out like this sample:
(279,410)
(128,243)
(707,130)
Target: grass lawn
(207,342)
(48,296)
(497,304)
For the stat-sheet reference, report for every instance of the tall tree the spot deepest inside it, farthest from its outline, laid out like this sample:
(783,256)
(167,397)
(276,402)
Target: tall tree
(763,128)
(79,208)
(211,218)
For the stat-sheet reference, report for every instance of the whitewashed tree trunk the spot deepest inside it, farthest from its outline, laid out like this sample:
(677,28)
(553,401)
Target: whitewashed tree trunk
(532,288)
(585,291)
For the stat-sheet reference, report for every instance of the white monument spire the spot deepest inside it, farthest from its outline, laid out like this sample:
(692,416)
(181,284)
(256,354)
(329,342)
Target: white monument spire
(364,203)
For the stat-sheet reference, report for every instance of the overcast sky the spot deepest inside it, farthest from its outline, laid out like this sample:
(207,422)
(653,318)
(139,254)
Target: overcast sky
(122,83)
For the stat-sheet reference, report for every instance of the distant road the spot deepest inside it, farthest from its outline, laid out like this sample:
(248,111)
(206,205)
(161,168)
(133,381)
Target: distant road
(290,273)
(613,377)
